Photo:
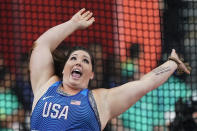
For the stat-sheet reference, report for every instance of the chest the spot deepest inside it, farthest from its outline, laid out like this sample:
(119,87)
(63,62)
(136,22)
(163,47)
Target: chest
(61,107)
(56,111)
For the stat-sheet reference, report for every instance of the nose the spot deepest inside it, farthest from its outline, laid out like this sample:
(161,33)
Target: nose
(78,63)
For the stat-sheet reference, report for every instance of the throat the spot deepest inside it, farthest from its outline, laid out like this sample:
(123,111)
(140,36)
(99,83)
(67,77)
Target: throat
(67,92)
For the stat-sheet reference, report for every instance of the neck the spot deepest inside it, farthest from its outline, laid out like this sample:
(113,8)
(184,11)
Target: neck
(69,90)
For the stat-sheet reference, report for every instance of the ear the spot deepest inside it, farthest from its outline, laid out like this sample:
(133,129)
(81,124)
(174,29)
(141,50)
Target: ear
(92,76)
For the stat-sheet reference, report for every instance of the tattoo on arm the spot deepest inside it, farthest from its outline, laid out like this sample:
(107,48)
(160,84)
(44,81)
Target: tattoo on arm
(161,70)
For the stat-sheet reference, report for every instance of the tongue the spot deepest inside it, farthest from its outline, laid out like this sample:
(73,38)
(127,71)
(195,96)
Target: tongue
(76,75)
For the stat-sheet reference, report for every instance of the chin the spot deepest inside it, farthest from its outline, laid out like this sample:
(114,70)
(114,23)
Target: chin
(76,85)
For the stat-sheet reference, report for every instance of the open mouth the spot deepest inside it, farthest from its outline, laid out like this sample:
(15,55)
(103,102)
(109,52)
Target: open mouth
(76,73)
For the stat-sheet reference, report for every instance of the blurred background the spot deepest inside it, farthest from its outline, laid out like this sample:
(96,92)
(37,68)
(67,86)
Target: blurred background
(129,38)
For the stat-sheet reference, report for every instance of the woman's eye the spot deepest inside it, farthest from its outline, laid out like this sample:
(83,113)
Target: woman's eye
(73,58)
(86,61)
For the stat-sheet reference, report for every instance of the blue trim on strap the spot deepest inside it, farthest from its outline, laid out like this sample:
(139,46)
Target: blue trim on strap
(84,92)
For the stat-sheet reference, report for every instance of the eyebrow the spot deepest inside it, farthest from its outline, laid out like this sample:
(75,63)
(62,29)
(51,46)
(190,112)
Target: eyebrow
(83,56)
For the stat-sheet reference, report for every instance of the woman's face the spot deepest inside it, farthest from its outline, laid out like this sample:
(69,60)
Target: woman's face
(78,70)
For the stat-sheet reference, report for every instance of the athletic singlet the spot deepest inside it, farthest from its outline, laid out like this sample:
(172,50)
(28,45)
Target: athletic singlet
(56,111)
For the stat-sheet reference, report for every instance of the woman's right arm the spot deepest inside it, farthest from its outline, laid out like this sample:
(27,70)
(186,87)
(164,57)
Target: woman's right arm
(112,102)
(41,61)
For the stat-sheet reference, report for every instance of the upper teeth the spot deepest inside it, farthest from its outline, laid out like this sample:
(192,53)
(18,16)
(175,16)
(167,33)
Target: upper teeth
(77,70)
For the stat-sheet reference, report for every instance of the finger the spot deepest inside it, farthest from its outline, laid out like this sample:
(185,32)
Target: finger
(187,71)
(184,68)
(91,20)
(188,68)
(173,51)
(88,16)
(81,11)
(85,14)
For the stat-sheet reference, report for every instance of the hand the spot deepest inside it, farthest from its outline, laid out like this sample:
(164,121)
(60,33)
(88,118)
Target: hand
(182,67)
(83,20)
(174,55)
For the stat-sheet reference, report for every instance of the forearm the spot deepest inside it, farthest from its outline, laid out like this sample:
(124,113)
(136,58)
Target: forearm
(159,75)
(129,93)
(55,35)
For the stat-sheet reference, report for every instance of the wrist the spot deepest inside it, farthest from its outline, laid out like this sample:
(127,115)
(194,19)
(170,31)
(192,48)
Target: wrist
(72,24)
(181,67)
(170,58)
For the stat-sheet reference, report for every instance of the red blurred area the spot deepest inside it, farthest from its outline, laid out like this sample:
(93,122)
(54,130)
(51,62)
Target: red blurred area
(23,21)
(141,22)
